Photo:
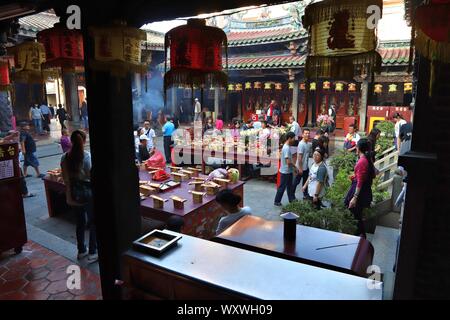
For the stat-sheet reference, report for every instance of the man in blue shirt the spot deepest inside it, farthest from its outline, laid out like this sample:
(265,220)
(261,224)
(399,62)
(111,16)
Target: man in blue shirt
(167,130)
(287,168)
(46,113)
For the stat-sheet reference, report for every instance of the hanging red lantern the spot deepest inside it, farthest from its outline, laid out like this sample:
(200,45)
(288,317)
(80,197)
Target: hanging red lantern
(433,30)
(302,86)
(326,85)
(278,86)
(63,47)
(4,75)
(257,85)
(195,55)
(352,87)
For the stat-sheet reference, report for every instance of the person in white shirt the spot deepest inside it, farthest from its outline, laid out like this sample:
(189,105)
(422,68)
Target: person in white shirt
(150,133)
(137,141)
(295,128)
(36,117)
(230,204)
(399,121)
(197,110)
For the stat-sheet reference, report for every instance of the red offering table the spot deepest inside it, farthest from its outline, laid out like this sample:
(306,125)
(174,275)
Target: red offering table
(317,247)
(13,233)
(200,220)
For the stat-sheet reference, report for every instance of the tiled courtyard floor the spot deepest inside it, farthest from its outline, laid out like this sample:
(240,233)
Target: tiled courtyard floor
(40,274)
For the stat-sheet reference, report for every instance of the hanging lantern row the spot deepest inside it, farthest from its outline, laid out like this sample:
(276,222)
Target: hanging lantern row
(341,40)
(118,49)
(326,85)
(63,47)
(28,58)
(195,55)
(392,88)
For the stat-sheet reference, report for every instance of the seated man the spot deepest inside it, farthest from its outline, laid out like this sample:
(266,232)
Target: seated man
(230,203)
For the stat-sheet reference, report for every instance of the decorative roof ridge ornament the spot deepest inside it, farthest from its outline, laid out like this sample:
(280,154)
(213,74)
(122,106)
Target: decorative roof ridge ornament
(341,41)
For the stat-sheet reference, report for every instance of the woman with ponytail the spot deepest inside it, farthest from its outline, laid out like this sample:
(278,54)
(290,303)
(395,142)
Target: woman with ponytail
(76,172)
(360,194)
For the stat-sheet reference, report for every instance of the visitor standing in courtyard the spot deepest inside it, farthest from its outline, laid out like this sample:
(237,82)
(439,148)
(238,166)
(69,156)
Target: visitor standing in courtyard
(46,116)
(219,123)
(62,115)
(351,139)
(399,121)
(76,171)
(373,137)
(28,147)
(150,133)
(84,114)
(359,196)
(332,115)
(197,110)
(36,117)
(287,169)
(230,204)
(316,182)
(167,131)
(270,112)
(302,165)
(295,128)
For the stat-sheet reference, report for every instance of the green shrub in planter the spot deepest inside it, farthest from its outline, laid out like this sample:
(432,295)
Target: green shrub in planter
(387,129)
(336,219)
(337,192)
(343,161)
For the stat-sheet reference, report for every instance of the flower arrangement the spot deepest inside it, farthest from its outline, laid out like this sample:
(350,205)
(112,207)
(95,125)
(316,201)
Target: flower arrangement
(324,120)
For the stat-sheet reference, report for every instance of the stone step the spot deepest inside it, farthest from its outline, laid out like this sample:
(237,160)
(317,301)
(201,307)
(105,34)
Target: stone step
(384,242)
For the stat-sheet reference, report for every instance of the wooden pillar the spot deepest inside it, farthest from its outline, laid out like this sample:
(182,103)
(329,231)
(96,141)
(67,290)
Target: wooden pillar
(295,100)
(114,173)
(5,111)
(71,95)
(363,105)
(174,99)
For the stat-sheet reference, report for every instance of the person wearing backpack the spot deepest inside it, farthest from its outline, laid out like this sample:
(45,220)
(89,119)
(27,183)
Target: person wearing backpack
(317,180)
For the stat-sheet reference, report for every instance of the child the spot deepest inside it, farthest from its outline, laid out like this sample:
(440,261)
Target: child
(66,145)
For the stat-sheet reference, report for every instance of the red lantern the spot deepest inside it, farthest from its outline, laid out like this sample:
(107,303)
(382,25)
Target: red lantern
(4,75)
(63,47)
(195,55)
(433,34)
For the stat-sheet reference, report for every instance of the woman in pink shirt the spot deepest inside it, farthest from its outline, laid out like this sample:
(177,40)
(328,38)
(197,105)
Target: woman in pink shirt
(235,132)
(219,123)
(359,196)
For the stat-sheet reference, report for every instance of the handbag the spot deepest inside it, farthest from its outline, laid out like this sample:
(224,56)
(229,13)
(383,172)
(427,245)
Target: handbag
(81,191)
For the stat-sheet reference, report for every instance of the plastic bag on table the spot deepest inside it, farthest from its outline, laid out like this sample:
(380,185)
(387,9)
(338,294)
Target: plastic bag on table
(218,173)
(156,160)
